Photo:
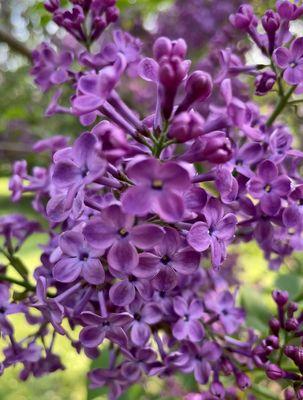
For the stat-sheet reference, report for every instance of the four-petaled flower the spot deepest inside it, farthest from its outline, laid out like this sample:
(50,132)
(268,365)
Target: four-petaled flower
(158,188)
(269,187)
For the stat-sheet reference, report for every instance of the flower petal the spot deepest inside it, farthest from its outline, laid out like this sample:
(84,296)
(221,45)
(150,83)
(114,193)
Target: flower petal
(122,293)
(67,270)
(198,236)
(123,257)
(93,271)
(146,236)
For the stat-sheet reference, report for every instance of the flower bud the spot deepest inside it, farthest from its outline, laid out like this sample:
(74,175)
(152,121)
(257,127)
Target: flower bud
(218,148)
(292,308)
(52,5)
(291,324)
(280,297)
(198,88)
(274,326)
(242,380)
(270,21)
(299,356)
(272,341)
(226,366)
(289,394)
(244,18)
(217,389)
(162,47)
(286,9)
(112,14)
(290,351)
(264,82)
(179,48)
(274,372)
(186,126)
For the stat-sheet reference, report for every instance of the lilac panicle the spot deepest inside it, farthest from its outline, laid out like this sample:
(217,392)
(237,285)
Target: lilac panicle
(142,208)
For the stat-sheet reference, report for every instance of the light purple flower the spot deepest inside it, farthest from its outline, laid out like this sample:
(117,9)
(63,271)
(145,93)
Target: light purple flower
(268,186)
(115,230)
(78,258)
(223,304)
(170,257)
(188,325)
(144,316)
(98,328)
(291,61)
(94,89)
(217,230)
(158,188)
(49,67)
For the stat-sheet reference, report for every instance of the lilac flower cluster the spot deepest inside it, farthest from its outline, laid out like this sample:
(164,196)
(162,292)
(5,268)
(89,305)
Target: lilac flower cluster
(142,210)
(283,345)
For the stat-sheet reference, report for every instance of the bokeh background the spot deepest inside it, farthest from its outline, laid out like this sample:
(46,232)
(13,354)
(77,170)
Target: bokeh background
(23,25)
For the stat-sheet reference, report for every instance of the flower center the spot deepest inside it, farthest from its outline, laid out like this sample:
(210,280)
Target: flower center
(165,260)
(137,316)
(186,318)
(84,172)
(267,188)
(123,232)
(293,64)
(83,256)
(157,184)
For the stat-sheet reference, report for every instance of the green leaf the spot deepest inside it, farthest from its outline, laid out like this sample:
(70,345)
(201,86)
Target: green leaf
(19,266)
(290,282)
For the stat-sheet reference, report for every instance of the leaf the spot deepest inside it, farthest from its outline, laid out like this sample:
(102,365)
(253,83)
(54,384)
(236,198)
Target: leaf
(19,266)
(290,282)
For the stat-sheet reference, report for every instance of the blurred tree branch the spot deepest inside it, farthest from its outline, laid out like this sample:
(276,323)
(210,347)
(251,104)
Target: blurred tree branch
(15,44)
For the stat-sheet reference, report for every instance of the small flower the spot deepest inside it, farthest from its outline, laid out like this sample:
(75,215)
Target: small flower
(217,230)
(158,188)
(78,258)
(291,61)
(268,186)
(188,326)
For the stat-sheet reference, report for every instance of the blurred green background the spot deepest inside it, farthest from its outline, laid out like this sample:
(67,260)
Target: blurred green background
(21,123)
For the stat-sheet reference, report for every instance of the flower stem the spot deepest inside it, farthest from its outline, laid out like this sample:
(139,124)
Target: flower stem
(280,106)
(24,284)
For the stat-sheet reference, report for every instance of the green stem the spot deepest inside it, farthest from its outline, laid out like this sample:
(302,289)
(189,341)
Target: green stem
(280,106)
(24,284)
